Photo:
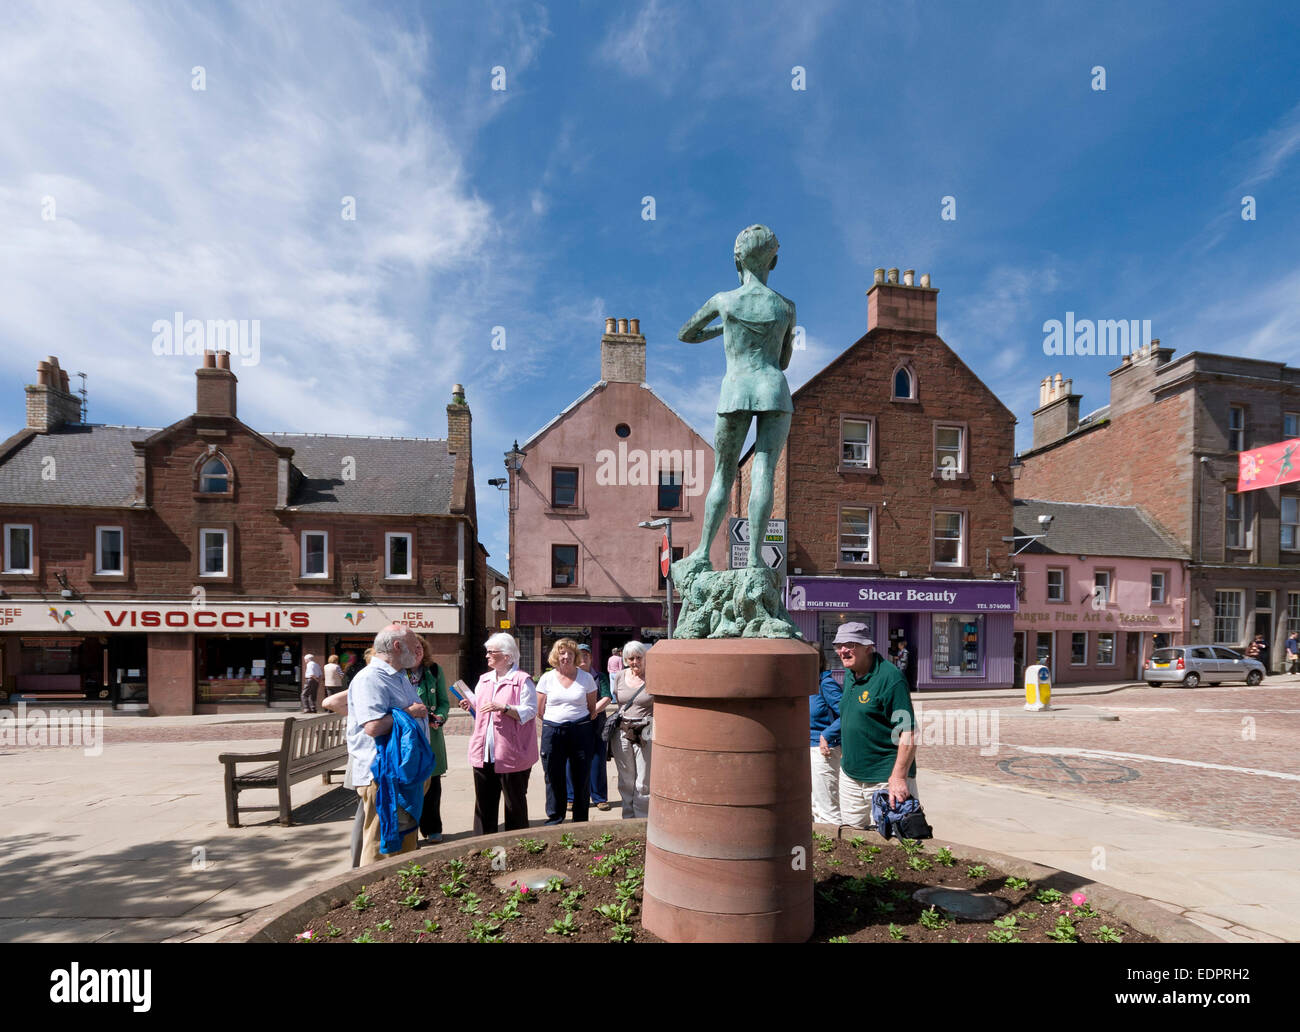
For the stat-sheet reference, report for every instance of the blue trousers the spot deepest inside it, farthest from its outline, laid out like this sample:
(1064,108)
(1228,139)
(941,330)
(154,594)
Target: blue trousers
(599,779)
(566,754)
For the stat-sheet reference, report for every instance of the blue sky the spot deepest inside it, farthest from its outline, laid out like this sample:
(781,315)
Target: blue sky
(522,208)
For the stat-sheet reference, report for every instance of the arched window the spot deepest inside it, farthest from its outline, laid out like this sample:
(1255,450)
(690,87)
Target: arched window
(213,474)
(214,478)
(904,383)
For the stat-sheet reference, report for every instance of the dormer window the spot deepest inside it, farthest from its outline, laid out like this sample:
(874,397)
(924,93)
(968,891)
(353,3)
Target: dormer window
(214,474)
(904,384)
(214,477)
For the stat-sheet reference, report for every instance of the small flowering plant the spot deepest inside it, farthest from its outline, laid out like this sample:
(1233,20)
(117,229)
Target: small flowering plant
(1078,899)
(307,936)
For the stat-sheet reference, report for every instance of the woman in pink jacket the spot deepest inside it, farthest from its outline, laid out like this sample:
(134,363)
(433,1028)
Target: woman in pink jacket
(503,747)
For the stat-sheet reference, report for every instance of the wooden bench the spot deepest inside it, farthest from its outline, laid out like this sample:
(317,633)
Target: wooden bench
(308,747)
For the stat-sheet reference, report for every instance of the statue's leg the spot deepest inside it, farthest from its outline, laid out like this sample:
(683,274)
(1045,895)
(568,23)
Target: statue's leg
(729,435)
(773,428)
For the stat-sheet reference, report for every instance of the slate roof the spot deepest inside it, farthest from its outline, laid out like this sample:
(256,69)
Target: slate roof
(94,465)
(1094,530)
(394,475)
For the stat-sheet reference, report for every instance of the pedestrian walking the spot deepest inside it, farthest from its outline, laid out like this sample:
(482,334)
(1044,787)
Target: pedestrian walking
(311,680)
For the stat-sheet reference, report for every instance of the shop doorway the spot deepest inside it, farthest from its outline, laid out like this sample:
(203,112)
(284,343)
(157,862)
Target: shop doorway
(1021,645)
(1044,653)
(283,679)
(902,633)
(1132,656)
(604,640)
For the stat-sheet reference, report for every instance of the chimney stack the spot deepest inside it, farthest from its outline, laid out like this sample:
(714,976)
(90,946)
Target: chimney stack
(1057,414)
(622,352)
(459,443)
(892,305)
(50,404)
(216,385)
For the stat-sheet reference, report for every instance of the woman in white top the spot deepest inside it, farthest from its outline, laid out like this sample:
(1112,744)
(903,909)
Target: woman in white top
(566,702)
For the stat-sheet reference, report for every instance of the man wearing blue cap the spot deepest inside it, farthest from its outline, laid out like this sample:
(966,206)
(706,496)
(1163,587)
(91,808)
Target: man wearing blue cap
(878,745)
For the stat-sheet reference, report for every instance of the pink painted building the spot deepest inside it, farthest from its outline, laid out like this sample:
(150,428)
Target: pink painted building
(580,566)
(1102,588)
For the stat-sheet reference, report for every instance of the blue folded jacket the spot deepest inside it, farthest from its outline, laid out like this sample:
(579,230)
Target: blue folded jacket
(887,819)
(403,763)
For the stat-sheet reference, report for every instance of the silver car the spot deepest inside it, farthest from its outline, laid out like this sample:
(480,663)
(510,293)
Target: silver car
(1189,665)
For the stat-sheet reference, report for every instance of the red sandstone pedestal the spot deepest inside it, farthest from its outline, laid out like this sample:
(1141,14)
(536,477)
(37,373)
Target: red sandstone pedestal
(729,840)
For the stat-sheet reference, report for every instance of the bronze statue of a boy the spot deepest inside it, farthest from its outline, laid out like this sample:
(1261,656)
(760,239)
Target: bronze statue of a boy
(758,339)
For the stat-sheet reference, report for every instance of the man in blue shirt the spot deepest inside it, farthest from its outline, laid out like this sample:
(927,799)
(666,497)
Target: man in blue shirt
(377,690)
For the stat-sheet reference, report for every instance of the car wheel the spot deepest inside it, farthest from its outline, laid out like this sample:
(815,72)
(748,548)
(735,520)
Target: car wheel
(1254,677)
(1154,684)
(1192,680)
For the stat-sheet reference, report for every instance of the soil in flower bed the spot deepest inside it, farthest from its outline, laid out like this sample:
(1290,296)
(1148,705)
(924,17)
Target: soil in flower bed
(865,887)
(864,893)
(458,900)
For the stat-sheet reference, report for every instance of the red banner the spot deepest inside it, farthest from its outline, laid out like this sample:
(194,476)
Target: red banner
(1269,466)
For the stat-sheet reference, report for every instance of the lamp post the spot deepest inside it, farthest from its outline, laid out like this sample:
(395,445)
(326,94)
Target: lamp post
(667,523)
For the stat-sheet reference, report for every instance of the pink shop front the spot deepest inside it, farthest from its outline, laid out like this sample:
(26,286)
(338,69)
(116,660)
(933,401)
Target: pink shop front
(958,632)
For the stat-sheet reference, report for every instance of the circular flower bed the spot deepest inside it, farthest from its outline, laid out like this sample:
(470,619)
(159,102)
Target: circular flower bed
(586,884)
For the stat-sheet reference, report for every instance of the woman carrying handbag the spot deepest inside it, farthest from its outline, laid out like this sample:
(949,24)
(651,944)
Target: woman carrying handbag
(630,731)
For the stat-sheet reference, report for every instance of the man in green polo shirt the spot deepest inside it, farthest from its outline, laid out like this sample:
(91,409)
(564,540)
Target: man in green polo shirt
(878,745)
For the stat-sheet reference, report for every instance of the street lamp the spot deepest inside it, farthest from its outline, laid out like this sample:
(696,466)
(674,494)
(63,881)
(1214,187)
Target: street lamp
(667,523)
(515,458)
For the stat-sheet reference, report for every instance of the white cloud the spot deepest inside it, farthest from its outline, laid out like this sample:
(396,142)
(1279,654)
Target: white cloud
(227,203)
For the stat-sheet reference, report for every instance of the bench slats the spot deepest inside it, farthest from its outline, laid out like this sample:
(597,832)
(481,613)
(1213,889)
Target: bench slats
(307,748)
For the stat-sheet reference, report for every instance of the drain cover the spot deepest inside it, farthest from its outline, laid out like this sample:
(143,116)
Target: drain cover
(973,906)
(534,877)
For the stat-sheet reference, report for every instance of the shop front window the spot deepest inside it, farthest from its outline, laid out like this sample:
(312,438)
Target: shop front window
(231,669)
(61,668)
(957,647)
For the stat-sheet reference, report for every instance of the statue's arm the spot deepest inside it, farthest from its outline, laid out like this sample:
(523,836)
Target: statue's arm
(694,332)
(787,345)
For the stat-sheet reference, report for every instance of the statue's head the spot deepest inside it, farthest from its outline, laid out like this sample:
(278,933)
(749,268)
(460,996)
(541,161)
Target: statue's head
(756,251)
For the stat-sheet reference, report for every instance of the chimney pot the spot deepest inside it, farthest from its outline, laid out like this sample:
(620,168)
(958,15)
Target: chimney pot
(223,359)
(908,277)
(209,360)
(925,279)
(609,325)
(634,326)
(880,275)
(893,275)
(622,326)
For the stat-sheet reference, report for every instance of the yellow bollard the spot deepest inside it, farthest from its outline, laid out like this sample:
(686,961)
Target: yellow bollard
(1038,688)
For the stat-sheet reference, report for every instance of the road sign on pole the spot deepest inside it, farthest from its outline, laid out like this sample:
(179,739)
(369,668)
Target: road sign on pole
(665,556)
(772,549)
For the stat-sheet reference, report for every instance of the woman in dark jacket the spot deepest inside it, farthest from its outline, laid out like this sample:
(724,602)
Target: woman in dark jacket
(432,689)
